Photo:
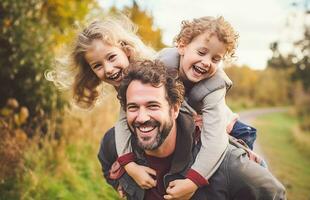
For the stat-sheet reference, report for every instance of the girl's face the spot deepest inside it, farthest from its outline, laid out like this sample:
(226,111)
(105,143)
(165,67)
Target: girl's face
(201,55)
(107,62)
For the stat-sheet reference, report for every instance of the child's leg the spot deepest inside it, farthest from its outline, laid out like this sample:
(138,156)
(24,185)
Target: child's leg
(244,132)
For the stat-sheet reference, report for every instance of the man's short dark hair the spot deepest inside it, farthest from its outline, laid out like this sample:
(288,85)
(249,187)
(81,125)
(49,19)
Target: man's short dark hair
(156,74)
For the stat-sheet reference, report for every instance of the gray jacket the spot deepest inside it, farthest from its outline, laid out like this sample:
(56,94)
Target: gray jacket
(207,98)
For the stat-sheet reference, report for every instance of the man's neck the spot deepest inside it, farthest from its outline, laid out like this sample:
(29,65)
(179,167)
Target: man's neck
(167,147)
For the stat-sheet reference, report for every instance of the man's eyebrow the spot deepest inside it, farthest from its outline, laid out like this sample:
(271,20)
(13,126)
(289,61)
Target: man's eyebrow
(131,104)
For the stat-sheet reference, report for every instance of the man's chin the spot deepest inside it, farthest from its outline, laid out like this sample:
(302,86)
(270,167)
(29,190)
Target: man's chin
(147,143)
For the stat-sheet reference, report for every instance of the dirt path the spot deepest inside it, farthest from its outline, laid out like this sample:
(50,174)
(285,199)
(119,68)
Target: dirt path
(249,116)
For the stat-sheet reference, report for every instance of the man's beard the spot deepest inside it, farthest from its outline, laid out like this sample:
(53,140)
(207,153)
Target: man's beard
(160,135)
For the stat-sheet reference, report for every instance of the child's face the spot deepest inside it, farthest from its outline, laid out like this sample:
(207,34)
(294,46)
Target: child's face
(203,53)
(107,62)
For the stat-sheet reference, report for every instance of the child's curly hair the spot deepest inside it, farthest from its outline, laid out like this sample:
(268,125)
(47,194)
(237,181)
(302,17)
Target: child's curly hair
(214,26)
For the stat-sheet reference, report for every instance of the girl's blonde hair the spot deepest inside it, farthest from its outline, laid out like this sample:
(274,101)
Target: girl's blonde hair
(77,74)
(217,26)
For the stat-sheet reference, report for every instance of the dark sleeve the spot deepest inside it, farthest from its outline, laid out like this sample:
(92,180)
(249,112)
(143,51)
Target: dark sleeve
(107,155)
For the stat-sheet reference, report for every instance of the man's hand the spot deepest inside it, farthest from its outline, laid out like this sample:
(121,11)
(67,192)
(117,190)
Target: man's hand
(121,192)
(141,175)
(181,189)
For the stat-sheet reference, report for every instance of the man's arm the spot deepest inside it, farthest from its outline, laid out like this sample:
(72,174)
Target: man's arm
(107,155)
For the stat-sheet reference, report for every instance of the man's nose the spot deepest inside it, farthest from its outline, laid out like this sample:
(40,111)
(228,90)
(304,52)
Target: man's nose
(142,116)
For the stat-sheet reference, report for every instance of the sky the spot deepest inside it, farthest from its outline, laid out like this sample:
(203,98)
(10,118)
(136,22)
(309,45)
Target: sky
(258,22)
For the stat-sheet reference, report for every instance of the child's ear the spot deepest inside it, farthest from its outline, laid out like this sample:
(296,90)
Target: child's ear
(181,48)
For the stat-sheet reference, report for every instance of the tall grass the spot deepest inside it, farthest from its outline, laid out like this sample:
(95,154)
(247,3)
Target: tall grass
(68,168)
(287,161)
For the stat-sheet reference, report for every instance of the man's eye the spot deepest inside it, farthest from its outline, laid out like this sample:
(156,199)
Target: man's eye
(153,107)
(132,108)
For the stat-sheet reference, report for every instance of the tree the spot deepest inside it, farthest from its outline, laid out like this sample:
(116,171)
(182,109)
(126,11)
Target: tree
(150,34)
(297,59)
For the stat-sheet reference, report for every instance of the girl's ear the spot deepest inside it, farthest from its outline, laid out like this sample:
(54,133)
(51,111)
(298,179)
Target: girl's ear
(129,51)
(181,47)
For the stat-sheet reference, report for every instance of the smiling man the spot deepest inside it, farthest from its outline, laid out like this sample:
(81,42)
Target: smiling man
(163,138)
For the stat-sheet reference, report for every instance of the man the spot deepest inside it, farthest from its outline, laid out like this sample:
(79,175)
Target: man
(164,139)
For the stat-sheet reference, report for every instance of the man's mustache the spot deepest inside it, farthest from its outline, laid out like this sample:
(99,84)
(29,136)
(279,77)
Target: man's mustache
(146,123)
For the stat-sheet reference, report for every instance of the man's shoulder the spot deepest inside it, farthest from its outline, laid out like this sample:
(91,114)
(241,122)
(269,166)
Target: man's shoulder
(107,144)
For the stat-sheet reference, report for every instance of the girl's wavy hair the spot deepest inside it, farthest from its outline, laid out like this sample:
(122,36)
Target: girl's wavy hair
(156,74)
(217,26)
(75,73)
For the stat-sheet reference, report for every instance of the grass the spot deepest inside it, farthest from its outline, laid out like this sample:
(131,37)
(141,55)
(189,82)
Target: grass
(289,163)
(68,169)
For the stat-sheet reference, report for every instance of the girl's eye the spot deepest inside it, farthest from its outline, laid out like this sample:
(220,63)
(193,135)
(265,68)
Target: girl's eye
(111,57)
(97,66)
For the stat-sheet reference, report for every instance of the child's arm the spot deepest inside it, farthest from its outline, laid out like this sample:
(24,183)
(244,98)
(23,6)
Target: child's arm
(141,174)
(214,141)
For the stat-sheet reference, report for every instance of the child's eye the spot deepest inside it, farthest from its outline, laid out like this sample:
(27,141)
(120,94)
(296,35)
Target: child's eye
(216,59)
(201,53)
(96,66)
(111,57)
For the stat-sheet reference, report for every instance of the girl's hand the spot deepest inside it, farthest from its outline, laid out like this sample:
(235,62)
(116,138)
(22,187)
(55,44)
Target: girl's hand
(141,175)
(180,189)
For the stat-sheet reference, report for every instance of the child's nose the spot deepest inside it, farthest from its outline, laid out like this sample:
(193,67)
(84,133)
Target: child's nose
(206,61)
(108,68)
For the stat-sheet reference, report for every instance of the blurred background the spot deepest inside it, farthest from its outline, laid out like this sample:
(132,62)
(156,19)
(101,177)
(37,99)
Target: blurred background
(48,148)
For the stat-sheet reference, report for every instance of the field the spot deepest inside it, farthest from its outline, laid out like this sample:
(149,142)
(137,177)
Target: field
(286,153)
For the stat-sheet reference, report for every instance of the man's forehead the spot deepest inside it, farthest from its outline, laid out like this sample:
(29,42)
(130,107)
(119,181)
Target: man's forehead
(139,92)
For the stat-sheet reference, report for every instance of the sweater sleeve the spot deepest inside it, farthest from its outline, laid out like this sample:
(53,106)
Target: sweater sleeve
(122,140)
(214,138)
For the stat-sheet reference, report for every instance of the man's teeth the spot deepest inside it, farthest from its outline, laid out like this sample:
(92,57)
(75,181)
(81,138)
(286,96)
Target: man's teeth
(199,69)
(146,128)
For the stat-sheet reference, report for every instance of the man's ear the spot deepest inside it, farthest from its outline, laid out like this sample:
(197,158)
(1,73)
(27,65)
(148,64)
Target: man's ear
(181,48)
(175,109)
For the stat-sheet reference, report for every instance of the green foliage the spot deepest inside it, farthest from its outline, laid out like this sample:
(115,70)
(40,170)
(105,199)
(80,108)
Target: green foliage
(148,32)
(253,88)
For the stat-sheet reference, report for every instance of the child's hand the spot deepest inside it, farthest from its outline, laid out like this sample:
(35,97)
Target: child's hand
(121,192)
(181,189)
(141,175)
(198,120)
